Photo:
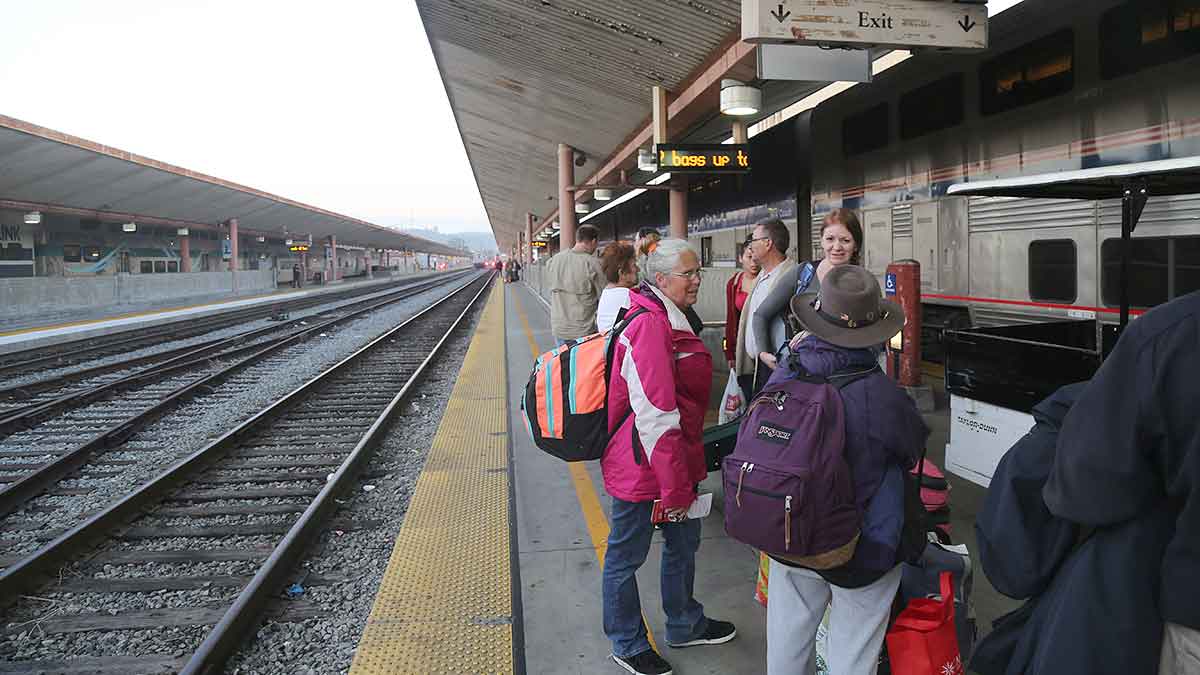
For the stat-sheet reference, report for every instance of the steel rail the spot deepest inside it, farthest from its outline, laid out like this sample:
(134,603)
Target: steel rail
(229,633)
(42,563)
(26,359)
(16,494)
(33,413)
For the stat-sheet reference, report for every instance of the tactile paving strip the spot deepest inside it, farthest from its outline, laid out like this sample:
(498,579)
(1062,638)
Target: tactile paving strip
(445,602)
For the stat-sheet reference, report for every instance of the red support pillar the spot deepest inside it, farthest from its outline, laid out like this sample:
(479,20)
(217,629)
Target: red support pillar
(678,205)
(527,255)
(566,199)
(233,244)
(903,285)
(185,253)
(333,263)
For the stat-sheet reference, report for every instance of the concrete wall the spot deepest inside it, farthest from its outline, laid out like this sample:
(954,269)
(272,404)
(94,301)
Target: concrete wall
(52,295)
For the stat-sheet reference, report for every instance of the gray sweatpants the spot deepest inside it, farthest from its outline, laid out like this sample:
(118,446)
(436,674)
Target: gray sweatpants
(796,600)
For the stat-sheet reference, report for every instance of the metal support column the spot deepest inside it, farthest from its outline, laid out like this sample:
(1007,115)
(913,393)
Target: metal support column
(566,198)
(185,253)
(678,203)
(1132,205)
(233,245)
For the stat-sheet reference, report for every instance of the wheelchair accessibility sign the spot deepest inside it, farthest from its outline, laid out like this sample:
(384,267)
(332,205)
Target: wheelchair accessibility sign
(889,284)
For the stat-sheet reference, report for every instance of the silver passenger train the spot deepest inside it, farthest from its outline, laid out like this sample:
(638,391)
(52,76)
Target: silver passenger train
(1101,83)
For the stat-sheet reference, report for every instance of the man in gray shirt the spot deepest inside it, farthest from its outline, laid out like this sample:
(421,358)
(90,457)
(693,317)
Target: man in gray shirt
(575,280)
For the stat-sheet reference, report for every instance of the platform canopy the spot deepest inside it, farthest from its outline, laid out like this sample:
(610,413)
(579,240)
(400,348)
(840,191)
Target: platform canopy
(524,76)
(1160,178)
(48,170)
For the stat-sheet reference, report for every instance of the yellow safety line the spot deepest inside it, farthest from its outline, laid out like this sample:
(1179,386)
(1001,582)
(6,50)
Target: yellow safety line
(585,489)
(445,603)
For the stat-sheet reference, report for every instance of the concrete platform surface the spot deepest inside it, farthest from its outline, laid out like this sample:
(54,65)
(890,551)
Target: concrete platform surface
(562,526)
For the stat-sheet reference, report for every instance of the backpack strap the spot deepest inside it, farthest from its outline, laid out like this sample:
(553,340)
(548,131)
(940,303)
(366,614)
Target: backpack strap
(624,318)
(843,378)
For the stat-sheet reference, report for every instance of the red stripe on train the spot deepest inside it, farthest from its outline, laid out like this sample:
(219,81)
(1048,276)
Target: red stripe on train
(1022,303)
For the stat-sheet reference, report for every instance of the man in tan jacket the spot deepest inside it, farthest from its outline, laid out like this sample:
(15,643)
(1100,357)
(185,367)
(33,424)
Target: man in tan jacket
(575,280)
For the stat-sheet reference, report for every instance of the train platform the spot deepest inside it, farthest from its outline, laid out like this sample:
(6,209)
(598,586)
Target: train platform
(17,334)
(498,565)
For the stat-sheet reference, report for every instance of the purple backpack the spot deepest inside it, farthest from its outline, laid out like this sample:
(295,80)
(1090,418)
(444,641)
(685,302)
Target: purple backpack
(788,488)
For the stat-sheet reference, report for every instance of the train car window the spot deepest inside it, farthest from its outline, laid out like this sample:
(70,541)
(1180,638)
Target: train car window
(1039,70)
(865,131)
(935,106)
(1149,272)
(1187,265)
(706,252)
(1146,33)
(71,253)
(92,254)
(172,266)
(1053,270)
(160,266)
(146,267)
(12,251)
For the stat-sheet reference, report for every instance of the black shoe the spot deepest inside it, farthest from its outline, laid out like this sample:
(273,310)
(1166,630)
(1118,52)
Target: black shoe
(646,663)
(718,632)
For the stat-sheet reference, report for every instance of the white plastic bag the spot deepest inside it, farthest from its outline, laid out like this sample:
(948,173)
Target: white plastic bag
(733,401)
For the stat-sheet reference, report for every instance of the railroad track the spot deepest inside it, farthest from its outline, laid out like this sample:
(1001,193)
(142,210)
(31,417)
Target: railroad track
(26,403)
(38,458)
(247,504)
(17,363)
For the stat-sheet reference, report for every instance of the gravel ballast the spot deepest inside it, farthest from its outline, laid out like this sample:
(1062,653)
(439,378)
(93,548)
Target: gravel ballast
(345,569)
(326,645)
(196,423)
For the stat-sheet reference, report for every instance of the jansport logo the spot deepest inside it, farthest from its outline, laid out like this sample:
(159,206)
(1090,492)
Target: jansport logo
(774,434)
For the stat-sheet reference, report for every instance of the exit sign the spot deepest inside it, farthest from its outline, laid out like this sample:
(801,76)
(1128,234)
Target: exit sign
(704,158)
(898,24)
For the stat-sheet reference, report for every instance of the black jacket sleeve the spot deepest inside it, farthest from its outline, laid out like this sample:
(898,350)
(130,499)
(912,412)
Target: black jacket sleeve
(1103,472)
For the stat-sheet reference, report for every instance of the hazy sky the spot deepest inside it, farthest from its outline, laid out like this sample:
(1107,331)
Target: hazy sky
(338,105)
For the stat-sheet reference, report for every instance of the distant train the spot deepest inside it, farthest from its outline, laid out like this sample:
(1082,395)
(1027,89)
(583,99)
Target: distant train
(1053,97)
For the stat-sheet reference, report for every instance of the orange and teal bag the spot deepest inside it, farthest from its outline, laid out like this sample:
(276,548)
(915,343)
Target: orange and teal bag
(565,406)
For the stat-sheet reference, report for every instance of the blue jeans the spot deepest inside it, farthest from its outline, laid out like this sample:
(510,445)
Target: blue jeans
(628,545)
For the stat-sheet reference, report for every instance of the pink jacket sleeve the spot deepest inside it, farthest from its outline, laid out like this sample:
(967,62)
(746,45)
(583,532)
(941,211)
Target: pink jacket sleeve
(648,369)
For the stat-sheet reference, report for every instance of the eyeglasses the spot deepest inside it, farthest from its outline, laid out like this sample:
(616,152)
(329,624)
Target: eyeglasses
(754,239)
(689,275)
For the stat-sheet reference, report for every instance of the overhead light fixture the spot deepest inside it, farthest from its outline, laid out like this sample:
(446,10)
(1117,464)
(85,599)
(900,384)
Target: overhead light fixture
(129,227)
(602,194)
(261,239)
(182,232)
(582,207)
(33,218)
(647,160)
(739,98)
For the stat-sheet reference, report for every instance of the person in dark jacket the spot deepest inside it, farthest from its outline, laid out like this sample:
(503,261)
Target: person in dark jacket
(1131,444)
(885,436)
(1093,607)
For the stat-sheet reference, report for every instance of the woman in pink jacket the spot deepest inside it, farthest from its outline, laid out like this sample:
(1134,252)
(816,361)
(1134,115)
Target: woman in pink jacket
(662,372)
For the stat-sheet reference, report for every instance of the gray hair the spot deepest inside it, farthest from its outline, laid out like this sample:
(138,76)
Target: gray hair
(665,256)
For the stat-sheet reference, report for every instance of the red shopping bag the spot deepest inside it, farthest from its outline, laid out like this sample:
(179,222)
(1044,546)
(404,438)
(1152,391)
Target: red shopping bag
(923,641)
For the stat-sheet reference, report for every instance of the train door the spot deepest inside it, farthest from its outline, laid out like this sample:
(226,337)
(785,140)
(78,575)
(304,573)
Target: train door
(952,237)
(925,243)
(878,224)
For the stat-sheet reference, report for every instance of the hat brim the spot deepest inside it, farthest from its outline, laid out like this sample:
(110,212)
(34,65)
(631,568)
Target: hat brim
(852,338)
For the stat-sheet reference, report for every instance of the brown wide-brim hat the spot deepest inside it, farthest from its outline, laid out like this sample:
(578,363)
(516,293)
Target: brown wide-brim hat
(849,311)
